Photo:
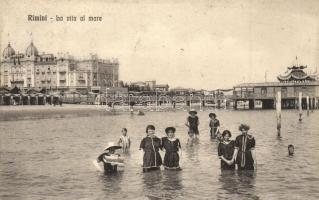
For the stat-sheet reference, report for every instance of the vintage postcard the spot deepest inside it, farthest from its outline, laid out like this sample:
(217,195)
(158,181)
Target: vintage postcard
(147,99)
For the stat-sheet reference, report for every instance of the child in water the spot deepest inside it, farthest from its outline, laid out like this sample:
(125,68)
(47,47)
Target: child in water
(171,146)
(125,141)
(151,145)
(214,126)
(192,122)
(110,159)
(190,139)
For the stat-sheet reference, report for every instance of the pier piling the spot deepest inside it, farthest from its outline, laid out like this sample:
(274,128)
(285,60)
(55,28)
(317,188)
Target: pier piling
(307,105)
(278,109)
(300,106)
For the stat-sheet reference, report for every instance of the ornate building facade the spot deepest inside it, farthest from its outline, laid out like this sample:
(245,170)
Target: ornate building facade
(56,73)
(262,95)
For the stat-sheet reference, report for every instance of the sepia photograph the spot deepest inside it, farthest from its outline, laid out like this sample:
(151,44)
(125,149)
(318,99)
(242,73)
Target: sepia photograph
(150,100)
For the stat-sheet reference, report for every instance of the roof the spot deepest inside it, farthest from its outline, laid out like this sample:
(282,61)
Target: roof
(8,51)
(296,73)
(31,50)
(161,85)
(182,89)
(278,84)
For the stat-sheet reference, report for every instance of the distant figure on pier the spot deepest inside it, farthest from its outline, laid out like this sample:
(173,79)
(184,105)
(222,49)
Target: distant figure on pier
(291,150)
(125,141)
(151,145)
(226,151)
(192,122)
(171,146)
(214,126)
(244,149)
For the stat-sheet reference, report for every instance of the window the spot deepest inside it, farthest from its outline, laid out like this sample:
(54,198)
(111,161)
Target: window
(284,91)
(81,76)
(263,91)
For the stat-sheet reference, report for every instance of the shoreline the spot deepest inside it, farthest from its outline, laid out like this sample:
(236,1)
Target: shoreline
(11,113)
(27,112)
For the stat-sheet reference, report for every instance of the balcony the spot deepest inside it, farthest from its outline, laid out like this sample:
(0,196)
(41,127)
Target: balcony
(62,70)
(17,80)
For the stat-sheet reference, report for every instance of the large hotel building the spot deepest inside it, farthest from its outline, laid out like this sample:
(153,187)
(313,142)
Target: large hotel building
(56,73)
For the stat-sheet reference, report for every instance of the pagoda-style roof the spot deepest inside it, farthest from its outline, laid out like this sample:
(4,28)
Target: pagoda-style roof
(296,73)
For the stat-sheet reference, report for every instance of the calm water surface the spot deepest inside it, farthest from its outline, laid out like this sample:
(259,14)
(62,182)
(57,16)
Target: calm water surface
(52,159)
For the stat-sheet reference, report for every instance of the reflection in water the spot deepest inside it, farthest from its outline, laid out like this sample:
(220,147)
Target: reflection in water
(247,183)
(172,184)
(237,184)
(153,184)
(111,183)
(191,152)
(165,184)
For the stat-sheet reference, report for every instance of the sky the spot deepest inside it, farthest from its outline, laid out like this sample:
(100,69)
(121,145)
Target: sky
(201,44)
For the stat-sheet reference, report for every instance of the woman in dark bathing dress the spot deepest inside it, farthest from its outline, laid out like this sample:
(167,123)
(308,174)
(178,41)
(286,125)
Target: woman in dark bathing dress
(151,145)
(244,154)
(225,151)
(171,146)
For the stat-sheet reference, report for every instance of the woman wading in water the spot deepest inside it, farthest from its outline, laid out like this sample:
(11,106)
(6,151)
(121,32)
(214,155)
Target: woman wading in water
(171,146)
(192,122)
(244,149)
(151,145)
(226,151)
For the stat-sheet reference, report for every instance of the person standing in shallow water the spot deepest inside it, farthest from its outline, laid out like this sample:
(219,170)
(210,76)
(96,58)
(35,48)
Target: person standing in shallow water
(171,146)
(214,125)
(125,141)
(110,158)
(192,122)
(244,149)
(151,145)
(226,151)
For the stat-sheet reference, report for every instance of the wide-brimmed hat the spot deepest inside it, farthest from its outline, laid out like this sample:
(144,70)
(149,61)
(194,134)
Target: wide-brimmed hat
(170,128)
(112,145)
(244,126)
(212,114)
(192,111)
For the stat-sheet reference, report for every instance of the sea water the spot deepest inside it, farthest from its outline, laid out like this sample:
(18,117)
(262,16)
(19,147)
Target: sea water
(52,158)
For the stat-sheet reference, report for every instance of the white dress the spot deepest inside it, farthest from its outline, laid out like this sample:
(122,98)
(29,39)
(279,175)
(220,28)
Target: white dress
(125,143)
